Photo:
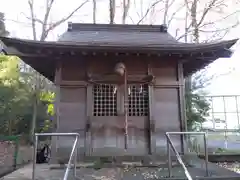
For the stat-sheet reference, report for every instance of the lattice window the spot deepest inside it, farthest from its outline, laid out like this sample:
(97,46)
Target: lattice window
(138,100)
(105,100)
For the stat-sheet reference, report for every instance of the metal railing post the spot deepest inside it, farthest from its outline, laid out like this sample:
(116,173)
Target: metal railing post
(169,159)
(206,154)
(72,155)
(75,164)
(169,144)
(34,157)
(179,158)
(70,159)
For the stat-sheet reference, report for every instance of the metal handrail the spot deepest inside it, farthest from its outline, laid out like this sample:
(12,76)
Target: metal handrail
(169,143)
(70,158)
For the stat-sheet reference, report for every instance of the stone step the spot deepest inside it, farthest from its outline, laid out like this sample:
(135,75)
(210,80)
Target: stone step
(123,164)
(115,159)
(122,161)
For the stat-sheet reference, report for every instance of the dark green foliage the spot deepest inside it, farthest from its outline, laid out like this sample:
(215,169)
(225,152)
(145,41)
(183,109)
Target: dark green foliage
(16,100)
(197,106)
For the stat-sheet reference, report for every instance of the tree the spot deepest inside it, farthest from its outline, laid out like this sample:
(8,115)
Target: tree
(112,10)
(197,106)
(126,6)
(206,18)
(15,99)
(94,10)
(44,22)
(3,31)
(40,81)
(199,26)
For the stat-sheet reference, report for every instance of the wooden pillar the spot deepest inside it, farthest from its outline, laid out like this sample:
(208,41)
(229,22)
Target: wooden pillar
(88,133)
(57,80)
(152,140)
(182,107)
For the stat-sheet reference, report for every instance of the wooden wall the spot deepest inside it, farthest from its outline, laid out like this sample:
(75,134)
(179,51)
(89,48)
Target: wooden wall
(104,135)
(166,106)
(71,107)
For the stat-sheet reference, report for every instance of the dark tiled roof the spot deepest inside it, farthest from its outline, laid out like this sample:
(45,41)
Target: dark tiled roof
(135,37)
(117,38)
(114,35)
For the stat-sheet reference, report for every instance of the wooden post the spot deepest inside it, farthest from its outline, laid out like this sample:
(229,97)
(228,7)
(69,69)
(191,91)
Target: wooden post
(151,126)
(182,104)
(126,109)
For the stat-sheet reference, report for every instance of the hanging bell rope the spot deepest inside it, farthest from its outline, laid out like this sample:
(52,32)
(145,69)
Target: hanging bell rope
(126,109)
(121,70)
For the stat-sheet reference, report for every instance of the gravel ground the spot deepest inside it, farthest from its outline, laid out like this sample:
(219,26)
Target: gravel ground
(231,166)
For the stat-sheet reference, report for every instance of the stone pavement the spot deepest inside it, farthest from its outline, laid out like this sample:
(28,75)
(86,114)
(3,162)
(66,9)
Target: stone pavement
(44,172)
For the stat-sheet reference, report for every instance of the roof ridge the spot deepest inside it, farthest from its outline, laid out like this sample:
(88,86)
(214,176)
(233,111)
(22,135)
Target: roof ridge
(116,27)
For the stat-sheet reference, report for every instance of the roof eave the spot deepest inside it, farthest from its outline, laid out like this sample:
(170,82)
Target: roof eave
(150,47)
(13,46)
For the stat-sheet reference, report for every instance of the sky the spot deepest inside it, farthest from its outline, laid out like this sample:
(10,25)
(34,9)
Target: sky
(16,12)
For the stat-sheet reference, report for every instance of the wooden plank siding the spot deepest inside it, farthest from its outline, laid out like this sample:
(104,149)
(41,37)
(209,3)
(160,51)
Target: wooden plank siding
(166,107)
(104,136)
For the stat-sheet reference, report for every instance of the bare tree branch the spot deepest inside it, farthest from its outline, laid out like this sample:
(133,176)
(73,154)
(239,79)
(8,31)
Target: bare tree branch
(187,31)
(219,33)
(220,30)
(45,19)
(54,25)
(135,6)
(186,24)
(47,27)
(212,23)
(126,6)
(202,78)
(219,20)
(148,10)
(112,8)
(131,20)
(94,11)
(194,24)
(206,10)
(165,11)
(176,32)
(33,21)
(187,6)
(30,18)
(174,14)
(141,11)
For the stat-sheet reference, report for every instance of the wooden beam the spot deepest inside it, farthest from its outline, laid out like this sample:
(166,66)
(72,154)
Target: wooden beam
(63,83)
(168,84)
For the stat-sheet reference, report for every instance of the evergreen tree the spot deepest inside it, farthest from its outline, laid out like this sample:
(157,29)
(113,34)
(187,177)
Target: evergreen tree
(3,31)
(197,105)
